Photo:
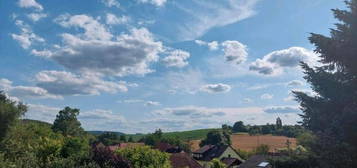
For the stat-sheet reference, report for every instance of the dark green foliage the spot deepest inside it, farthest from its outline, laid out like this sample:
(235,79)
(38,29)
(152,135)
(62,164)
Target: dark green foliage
(216,138)
(75,147)
(10,112)
(294,161)
(108,138)
(67,123)
(157,137)
(332,114)
(131,139)
(239,127)
(122,138)
(279,123)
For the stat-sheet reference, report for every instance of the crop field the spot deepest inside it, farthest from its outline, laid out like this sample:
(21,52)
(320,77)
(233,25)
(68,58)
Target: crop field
(248,143)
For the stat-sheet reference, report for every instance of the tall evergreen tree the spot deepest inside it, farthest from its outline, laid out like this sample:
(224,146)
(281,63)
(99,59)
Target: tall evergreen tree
(332,113)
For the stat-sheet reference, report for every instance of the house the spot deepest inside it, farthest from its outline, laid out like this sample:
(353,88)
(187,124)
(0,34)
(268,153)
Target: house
(183,160)
(165,147)
(225,153)
(256,161)
(124,145)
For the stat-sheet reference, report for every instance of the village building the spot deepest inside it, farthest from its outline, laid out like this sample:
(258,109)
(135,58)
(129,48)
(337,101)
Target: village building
(224,153)
(256,161)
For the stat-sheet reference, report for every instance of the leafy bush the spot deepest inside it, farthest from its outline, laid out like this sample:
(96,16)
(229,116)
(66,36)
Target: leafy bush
(145,157)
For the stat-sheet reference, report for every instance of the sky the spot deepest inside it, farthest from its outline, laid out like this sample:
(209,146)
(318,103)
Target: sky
(138,65)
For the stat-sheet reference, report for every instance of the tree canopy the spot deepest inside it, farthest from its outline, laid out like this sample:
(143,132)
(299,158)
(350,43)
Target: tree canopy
(331,114)
(66,122)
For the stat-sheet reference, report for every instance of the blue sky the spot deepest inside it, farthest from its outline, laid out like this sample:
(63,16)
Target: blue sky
(138,65)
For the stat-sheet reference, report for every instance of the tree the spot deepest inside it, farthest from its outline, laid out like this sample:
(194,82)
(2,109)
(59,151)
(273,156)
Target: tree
(279,123)
(67,123)
(145,157)
(216,138)
(131,139)
(10,112)
(215,163)
(331,114)
(122,138)
(108,138)
(239,127)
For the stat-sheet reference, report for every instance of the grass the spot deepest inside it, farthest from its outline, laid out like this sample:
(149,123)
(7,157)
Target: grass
(183,135)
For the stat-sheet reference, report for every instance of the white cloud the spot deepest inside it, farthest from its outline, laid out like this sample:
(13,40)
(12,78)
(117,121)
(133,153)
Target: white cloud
(135,101)
(30,4)
(112,19)
(152,103)
(42,53)
(111,3)
(26,38)
(93,30)
(157,3)
(216,88)
(66,83)
(235,52)
(282,109)
(25,91)
(266,96)
(41,112)
(294,83)
(202,16)
(274,62)
(213,45)
(36,16)
(176,58)
(94,52)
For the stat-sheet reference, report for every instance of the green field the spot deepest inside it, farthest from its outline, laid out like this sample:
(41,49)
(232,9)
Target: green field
(183,135)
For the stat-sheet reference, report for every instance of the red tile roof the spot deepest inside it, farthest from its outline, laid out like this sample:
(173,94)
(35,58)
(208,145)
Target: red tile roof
(183,160)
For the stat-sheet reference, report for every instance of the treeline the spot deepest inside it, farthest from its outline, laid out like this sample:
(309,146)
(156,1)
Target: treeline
(277,129)
(64,144)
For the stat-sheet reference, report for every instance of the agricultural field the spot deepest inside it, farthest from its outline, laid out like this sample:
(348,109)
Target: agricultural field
(247,142)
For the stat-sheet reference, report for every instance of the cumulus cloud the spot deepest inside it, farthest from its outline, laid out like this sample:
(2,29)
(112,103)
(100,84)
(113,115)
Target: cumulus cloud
(25,91)
(95,52)
(30,4)
(266,96)
(36,16)
(274,62)
(176,58)
(111,3)
(157,3)
(93,29)
(216,88)
(294,83)
(213,45)
(202,16)
(234,51)
(112,19)
(67,83)
(282,109)
(26,38)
